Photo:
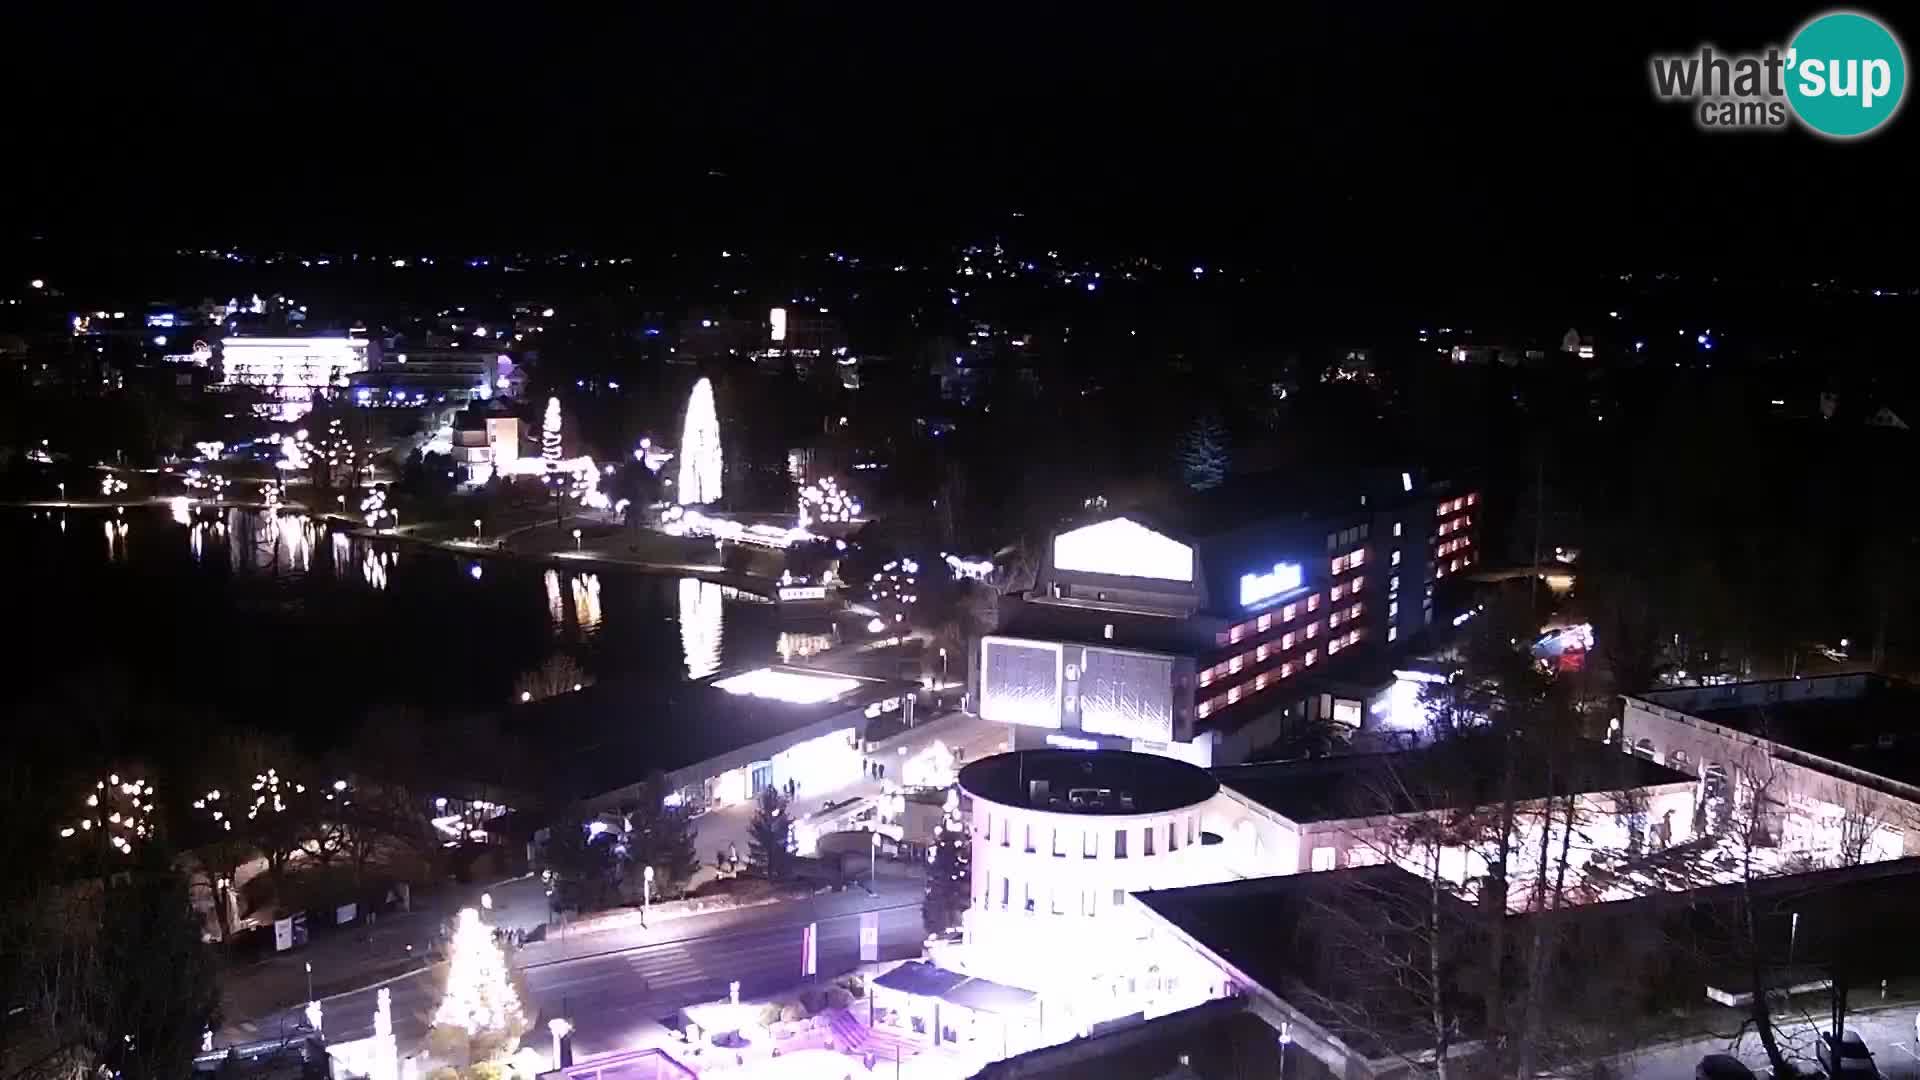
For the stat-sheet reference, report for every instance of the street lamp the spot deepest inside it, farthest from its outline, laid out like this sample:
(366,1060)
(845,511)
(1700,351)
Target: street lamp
(486,902)
(943,667)
(1286,1040)
(646,895)
(476,530)
(309,980)
(576,539)
(560,1029)
(873,870)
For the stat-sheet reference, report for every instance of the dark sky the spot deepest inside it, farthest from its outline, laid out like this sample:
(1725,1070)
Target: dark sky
(1342,133)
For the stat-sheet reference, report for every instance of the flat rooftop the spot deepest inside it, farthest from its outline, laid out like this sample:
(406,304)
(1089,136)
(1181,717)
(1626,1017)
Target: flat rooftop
(1044,621)
(1297,936)
(1090,782)
(1460,773)
(1869,722)
(621,730)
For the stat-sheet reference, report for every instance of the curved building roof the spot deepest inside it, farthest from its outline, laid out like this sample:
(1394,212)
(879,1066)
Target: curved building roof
(1088,782)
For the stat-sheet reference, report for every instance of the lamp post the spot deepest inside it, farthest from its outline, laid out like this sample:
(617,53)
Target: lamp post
(646,895)
(309,980)
(560,1029)
(63,492)
(1286,1040)
(486,904)
(476,530)
(576,540)
(873,864)
(943,667)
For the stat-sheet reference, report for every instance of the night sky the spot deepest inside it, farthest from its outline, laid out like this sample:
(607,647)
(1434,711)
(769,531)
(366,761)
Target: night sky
(1372,138)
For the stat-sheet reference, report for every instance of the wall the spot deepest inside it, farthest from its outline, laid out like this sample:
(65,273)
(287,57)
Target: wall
(1815,794)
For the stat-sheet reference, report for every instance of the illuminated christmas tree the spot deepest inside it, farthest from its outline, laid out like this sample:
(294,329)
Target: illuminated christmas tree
(550,432)
(479,1017)
(950,873)
(700,449)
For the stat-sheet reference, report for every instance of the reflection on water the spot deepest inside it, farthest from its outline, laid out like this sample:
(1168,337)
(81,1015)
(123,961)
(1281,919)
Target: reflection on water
(700,626)
(257,579)
(556,607)
(793,643)
(586,602)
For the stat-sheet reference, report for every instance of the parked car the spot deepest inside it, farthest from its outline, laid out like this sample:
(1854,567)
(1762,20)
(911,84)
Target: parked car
(1722,1067)
(1852,1058)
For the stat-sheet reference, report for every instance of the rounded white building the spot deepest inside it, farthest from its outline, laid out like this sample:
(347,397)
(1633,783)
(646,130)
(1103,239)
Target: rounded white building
(1060,837)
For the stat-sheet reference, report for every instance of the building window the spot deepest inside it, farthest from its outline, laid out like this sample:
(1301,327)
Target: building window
(1333,541)
(1333,646)
(1260,654)
(1312,657)
(1393,633)
(1027,889)
(1339,564)
(1055,901)
(1193,830)
(1119,897)
(1359,556)
(1395,560)
(1393,608)
(1006,832)
(1263,623)
(1355,585)
(1006,892)
(1288,612)
(1313,602)
(1324,858)
(1396,528)
(1146,842)
(1029,839)
(1059,843)
(1339,592)
(1286,670)
(1089,844)
(1313,630)
(1086,902)
(1119,843)
(1393,584)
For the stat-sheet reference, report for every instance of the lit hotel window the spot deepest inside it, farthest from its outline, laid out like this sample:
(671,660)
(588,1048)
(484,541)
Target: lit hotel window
(1393,584)
(1287,613)
(1202,710)
(1395,561)
(1313,602)
(1286,641)
(1262,624)
(1393,608)
(1233,666)
(1313,630)
(1396,528)
(1286,670)
(1339,564)
(1393,633)
(1312,657)
(1359,556)
(1339,592)
(1354,585)
(1260,654)
(1333,646)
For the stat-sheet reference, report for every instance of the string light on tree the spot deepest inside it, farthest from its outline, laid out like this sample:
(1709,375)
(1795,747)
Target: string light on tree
(480,1000)
(827,502)
(700,458)
(550,433)
(118,811)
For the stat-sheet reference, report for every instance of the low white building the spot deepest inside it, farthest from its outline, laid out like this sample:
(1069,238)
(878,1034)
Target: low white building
(292,371)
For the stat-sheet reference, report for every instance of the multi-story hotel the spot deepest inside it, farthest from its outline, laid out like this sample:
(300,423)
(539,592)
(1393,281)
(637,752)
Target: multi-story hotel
(1214,637)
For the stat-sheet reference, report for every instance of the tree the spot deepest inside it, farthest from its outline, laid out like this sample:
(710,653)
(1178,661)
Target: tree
(769,849)
(1203,453)
(701,462)
(550,433)
(950,877)
(584,866)
(662,836)
(479,1017)
(156,990)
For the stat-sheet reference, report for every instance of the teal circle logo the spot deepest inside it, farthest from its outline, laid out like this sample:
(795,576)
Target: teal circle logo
(1846,74)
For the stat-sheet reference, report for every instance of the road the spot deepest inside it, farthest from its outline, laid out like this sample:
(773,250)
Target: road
(617,986)
(1889,1033)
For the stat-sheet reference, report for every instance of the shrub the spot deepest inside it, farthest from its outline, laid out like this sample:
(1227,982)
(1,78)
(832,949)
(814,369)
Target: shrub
(792,1013)
(769,1014)
(838,997)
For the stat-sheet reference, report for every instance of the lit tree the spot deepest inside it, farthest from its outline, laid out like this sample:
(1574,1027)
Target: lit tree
(950,875)
(550,433)
(1203,454)
(660,834)
(769,850)
(559,674)
(480,1017)
(700,460)
(118,814)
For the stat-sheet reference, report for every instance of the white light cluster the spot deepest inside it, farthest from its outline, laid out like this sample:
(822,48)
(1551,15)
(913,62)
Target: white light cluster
(700,458)
(120,809)
(682,522)
(968,569)
(111,484)
(827,502)
(480,995)
(791,687)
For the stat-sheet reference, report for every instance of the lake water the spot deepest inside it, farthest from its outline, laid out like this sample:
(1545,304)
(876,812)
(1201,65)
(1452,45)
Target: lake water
(299,626)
